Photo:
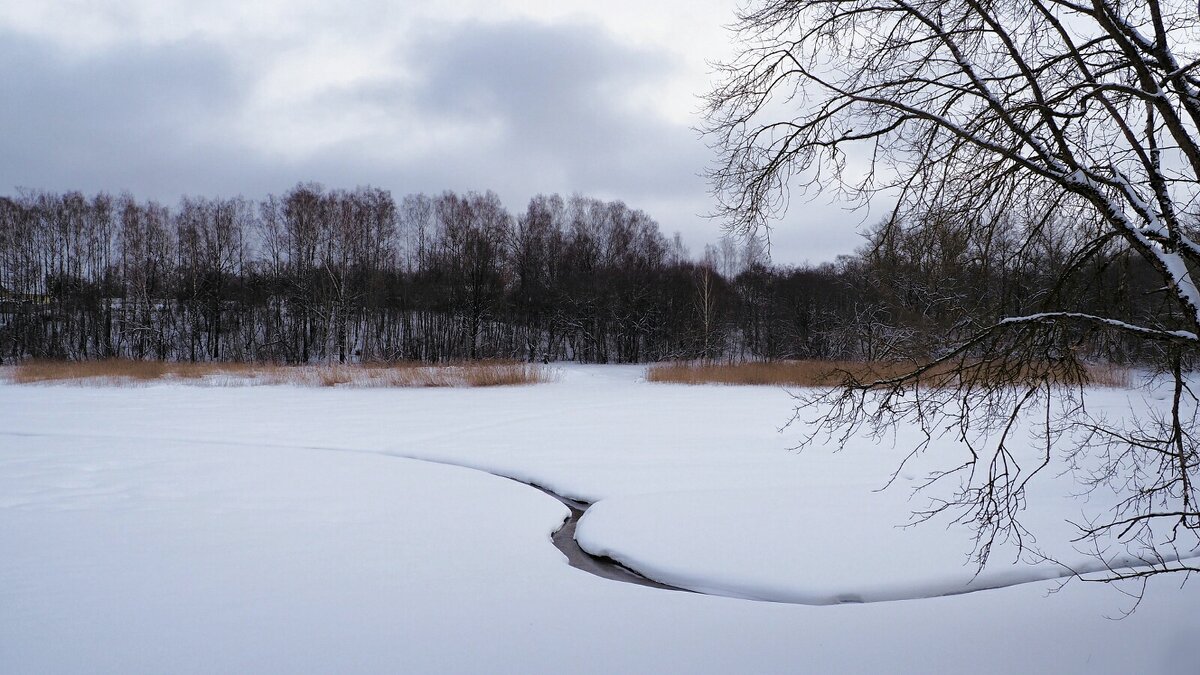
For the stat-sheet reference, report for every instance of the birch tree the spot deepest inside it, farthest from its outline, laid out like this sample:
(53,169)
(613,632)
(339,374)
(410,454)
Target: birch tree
(1084,111)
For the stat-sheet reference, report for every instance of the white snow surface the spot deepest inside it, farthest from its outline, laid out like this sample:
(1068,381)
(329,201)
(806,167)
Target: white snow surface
(175,528)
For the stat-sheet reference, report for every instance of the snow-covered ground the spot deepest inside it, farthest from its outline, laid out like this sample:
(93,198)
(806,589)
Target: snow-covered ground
(175,528)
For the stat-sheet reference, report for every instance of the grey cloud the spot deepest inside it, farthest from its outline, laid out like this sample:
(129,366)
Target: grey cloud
(135,118)
(556,91)
(159,121)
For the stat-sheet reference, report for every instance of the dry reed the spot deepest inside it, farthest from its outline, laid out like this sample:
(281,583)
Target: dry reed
(122,372)
(811,373)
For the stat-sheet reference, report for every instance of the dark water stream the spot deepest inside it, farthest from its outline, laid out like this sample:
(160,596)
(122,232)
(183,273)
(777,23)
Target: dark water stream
(564,540)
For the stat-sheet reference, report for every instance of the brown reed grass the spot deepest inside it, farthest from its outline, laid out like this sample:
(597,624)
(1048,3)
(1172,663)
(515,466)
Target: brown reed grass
(123,372)
(813,373)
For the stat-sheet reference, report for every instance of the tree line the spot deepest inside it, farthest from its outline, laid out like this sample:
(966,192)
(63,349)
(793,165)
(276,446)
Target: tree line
(318,275)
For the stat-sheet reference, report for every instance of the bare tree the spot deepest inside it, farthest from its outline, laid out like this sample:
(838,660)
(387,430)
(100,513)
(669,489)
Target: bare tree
(706,299)
(1085,111)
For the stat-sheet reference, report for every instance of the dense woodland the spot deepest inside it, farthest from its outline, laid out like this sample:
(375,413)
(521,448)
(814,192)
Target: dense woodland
(318,275)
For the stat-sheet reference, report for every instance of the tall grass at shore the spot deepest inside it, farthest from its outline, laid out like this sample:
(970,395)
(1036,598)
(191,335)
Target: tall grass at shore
(122,372)
(813,373)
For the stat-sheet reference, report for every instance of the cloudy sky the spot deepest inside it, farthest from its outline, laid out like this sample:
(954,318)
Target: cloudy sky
(224,97)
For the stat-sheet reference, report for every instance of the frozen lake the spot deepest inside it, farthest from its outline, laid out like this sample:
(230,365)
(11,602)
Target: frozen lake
(173,528)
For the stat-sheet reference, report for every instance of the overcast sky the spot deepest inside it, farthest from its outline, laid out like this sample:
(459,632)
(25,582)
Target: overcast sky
(224,97)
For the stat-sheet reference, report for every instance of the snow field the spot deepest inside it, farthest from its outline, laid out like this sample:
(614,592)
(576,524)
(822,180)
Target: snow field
(279,529)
